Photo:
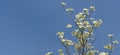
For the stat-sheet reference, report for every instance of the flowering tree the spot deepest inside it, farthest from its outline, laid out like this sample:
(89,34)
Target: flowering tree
(84,30)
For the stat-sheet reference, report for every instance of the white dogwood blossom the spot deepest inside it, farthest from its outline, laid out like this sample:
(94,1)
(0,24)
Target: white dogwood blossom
(86,11)
(68,42)
(60,34)
(70,10)
(86,34)
(86,23)
(110,35)
(74,33)
(69,26)
(115,42)
(97,23)
(60,52)
(92,8)
(63,40)
(77,46)
(91,53)
(109,46)
(63,3)
(89,27)
(103,53)
(100,21)
(80,16)
(48,53)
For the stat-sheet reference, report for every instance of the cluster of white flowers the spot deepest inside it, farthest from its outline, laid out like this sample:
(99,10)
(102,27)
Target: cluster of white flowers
(82,22)
(79,35)
(84,33)
(60,35)
(109,46)
(75,33)
(89,27)
(67,42)
(112,44)
(80,25)
(92,52)
(89,46)
(103,53)
(80,16)
(77,46)
(97,23)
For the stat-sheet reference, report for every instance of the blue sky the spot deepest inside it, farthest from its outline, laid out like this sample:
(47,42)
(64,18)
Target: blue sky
(28,27)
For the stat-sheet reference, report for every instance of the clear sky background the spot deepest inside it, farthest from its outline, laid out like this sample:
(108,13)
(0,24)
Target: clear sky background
(28,27)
